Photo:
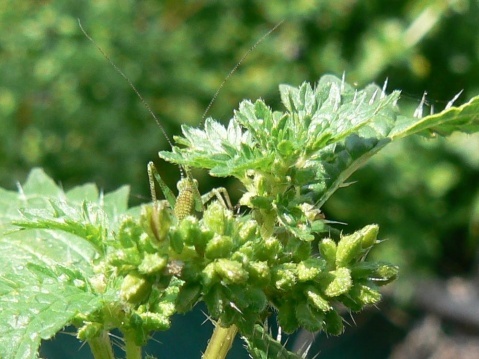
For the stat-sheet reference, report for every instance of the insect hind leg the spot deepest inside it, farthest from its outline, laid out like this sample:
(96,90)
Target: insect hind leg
(153,176)
(221,195)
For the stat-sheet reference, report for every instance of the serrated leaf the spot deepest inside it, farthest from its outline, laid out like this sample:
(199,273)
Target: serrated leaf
(261,345)
(86,192)
(39,293)
(38,183)
(45,273)
(464,118)
(333,128)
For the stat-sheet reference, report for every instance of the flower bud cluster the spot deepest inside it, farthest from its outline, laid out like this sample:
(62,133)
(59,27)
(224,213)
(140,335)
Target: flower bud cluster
(225,261)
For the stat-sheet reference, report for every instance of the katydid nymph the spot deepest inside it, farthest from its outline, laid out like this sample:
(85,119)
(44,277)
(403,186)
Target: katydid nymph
(189,198)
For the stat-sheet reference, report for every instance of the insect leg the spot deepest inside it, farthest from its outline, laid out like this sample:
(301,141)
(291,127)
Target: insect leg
(154,175)
(221,195)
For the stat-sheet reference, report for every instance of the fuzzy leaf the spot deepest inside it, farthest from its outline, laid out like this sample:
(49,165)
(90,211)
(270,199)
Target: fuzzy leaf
(45,273)
(261,345)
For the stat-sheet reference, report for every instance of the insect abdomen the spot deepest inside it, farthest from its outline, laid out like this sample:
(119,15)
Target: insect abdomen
(185,203)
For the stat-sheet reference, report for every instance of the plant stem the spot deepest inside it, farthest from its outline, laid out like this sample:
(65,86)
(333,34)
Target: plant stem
(132,350)
(101,346)
(220,342)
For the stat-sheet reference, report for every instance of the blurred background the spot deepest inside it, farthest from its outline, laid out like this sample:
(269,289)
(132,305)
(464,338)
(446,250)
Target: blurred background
(64,108)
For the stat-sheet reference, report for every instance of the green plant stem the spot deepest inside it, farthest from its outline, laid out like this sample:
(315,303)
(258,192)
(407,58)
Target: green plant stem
(220,342)
(101,346)
(132,351)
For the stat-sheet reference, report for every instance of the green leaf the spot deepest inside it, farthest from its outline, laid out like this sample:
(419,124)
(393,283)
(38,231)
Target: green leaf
(261,345)
(39,293)
(326,134)
(464,118)
(46,268)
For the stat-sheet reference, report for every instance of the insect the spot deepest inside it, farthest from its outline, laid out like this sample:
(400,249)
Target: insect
(189,198)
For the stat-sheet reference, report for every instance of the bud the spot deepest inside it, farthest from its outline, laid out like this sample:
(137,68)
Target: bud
(152,263)
(284,276)
(337,282)
(231,271)
(259,273)
(216,218)
(349,249)
(134,288)
(310,269)
(369,234)
(316,299)
(327,249)
(219,247)
(156,220)
(89,331)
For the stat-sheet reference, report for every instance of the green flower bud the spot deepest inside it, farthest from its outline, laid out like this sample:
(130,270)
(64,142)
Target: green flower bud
(216,218)
(369,235)
(89,331)
(338,282)
(259,273)
(284,276)
(154,322)
(380,273)
(247,231)
(219,247)
(365,294)
(209,276)
(268,249)
(156,220)
(327,249)
(134,288)
(386,273)
(231,271)
(189,230)
(316,299)
(349,249)
(152,263)
(310,269)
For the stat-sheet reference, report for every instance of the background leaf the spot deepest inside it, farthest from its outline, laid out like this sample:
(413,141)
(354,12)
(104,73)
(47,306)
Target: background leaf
(44,274)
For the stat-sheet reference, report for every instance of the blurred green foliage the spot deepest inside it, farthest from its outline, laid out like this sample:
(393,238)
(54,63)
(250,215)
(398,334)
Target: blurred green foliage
(64,108)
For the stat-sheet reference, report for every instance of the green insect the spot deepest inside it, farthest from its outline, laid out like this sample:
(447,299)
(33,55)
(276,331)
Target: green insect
(189,198)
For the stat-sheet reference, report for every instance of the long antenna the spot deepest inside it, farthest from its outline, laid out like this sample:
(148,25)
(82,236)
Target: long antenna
(236,67)
(147,106)
(130,83)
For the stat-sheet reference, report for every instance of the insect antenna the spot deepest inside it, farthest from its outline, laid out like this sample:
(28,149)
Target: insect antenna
(117,69)
(147,106)
(233,70)
(183,170)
